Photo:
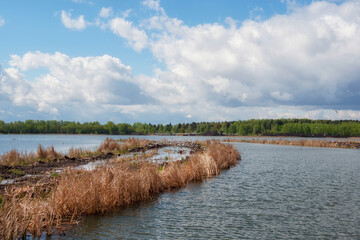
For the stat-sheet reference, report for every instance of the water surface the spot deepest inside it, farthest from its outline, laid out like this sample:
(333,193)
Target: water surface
(283,192)
(275,192)
(62,142)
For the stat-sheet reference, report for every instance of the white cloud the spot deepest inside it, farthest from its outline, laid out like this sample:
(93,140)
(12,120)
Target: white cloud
(126,13)
(73,23)
(216,71)
(137,38)
(153,4)
(2,21)
(302,64)
(255,14)
(281,96)
(309,57)
(106,12)
(81,84)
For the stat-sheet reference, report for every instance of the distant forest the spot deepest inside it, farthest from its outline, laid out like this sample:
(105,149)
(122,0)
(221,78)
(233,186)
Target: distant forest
(268,127)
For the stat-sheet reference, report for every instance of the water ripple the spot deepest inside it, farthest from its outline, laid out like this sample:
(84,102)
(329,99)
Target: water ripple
(277,192)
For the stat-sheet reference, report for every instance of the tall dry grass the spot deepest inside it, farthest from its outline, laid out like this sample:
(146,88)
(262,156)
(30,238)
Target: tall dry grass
(110,145)
(80,192)
(80,152)
(48,153)
(142,156)
(16,158)
(302,142)
(26,211)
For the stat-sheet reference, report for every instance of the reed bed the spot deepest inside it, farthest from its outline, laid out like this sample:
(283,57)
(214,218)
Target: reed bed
(111,145)
(80,153)
(80,192)
(15,158)
(302,142)
(136,156)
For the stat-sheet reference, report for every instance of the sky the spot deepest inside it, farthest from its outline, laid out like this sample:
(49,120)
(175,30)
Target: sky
(176,61)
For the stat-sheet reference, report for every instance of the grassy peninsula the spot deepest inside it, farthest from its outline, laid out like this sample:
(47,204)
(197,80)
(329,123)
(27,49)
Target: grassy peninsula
(53,201)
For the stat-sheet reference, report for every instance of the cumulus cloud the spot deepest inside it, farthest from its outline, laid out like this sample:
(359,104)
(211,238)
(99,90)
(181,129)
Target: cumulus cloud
(106,12)
(80,84)
(308,57)
(301,64)
(137,38)
(2,21)
(153,4)
(73,23)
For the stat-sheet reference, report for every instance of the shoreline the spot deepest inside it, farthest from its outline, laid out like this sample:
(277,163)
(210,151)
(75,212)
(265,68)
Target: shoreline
(302,143)
(185,135)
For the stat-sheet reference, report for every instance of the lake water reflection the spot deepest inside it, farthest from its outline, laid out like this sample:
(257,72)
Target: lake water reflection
(275,192)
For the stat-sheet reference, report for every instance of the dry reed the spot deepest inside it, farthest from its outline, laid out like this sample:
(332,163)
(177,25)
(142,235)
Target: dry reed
(15,158)
(80,192)
(136,156)
(302,142)
(80,152)
(110,145)
(48,153)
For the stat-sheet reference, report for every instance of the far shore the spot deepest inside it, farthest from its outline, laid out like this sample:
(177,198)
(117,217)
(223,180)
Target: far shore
(189,134)
(318,143)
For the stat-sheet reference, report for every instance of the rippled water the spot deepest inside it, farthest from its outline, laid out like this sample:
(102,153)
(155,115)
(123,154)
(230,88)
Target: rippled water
(275,192)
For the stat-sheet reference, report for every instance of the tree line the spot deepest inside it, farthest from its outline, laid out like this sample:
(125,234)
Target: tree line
(267,127)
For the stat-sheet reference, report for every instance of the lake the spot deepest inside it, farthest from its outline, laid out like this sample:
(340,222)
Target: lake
(62,142)
(27,143)
(276,191)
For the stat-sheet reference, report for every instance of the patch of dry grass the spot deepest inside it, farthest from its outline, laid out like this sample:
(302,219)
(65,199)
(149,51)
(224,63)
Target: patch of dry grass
(80,153)
(15,158)
(302,142)
(111,145)
(48,153)
(136,156)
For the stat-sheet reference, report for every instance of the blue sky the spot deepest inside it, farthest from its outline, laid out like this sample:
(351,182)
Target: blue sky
(179,61)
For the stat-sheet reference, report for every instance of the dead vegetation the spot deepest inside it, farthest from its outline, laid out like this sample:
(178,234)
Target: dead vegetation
(80,192)
(80,153)
(15,158)
(111,145)
(302,142)
(136,156)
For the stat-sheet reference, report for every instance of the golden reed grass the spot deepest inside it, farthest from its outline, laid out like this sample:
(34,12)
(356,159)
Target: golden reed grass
(111,145)
(15,158)
(80,192)
(302,142)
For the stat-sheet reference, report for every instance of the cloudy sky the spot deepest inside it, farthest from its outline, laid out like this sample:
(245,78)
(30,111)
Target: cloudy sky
(179,60)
